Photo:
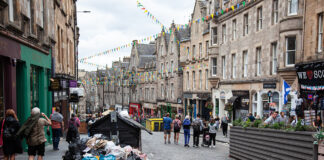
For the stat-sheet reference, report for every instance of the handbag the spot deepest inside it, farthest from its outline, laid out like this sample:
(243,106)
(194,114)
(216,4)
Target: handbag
(48,132)
(1,136)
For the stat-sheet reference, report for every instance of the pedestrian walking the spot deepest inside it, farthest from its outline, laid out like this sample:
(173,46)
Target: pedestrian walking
(224,125)
(73,133)
(176,128)
(33,130)
(167,127)
(213,127)
(9,127)
(197,126)
(186,129)
(57,127)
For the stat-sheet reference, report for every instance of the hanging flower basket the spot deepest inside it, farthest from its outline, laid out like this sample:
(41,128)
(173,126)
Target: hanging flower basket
(228,107)
(209,105)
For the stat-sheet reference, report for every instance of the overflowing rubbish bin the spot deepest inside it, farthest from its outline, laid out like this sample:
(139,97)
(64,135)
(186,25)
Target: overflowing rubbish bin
(113,137)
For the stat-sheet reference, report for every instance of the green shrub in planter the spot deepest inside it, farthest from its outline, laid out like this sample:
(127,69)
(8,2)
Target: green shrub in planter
(247,123)
(257,123)
(237,122)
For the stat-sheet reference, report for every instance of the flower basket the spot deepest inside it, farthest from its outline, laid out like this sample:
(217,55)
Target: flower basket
(228,107)
(209,105)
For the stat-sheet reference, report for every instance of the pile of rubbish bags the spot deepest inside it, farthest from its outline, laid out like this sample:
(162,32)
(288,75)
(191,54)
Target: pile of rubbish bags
(99,148)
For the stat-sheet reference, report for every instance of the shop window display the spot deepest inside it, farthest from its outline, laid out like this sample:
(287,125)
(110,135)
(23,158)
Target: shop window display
(34,86)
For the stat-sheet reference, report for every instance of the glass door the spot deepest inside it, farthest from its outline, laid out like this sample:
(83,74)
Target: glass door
(34,87)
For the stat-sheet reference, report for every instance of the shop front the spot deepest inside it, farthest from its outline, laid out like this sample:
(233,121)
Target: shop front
(149,109)
(171,108)
(33,72)
(240,103)
(135,109)
(9,54)
(311,81)
(205,105)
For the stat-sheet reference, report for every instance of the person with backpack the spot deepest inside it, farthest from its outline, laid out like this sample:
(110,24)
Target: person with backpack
(33,131)
(176,128)
(197,126)
(57,127)
(186,129)
(224,125)
(73,133)
(11,145)
(167,127)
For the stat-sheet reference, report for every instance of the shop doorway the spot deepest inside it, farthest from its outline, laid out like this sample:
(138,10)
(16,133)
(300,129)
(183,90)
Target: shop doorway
(255,104)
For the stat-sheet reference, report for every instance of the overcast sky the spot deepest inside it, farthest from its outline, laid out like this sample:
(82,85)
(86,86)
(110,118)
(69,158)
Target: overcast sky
(112,23)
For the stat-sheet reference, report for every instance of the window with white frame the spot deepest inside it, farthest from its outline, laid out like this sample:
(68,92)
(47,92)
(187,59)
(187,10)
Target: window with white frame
(290,50)
(167,68)
(233,66)
(200,80)
(320,33)
(224,67)
(207,48)
(245,63)
(258,60)
(206,79)
(224,33)
(246,24)
(259,19)
(172,91)
(214,66)
(11,10)
(162,69)
(193,80)
(274,58)
(171,68)
(162,90)
(275,12)
(200,50)
(161,50)
(193,51)
(171,47)
(188,52)
(234,29)
(292,7)
(214,36)
(188,81)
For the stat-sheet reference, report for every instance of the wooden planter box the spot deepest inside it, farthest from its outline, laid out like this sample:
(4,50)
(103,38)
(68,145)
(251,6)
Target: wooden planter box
(257,143)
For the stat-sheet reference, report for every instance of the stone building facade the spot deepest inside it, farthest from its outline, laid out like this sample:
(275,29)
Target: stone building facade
(121,85)
(170,75)
(140,54)
(89,102)
(195,64)
(254,48)
(64,52)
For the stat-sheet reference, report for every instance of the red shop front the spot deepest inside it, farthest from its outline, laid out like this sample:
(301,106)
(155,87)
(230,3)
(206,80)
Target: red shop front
(135,108)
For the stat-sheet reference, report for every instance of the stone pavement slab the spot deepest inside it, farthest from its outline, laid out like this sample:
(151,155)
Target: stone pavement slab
(154,147)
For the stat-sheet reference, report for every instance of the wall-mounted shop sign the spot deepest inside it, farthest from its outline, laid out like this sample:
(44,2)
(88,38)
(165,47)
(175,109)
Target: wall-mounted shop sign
(187,95)
(311,76)
(179,101)
(55,85)
(203,95)
(9,48)
(269,85)
(222,95)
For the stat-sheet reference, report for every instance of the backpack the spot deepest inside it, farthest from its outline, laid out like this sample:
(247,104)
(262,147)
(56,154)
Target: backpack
(196,125)
(176,126)
(8,132)
(186,122)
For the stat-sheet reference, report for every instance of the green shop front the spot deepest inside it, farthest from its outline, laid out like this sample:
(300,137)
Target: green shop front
(33,79)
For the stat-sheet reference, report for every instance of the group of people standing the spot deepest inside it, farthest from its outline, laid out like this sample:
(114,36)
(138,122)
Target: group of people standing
(33,130)
(207,128)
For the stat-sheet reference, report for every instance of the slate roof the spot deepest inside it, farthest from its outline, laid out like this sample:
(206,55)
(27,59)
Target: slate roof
(146,49)
(183,34)
(144,59)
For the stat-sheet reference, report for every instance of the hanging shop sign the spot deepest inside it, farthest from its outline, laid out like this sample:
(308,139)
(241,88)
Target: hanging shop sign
(179,101)
(55,85)
(269,85)
(73,83)
(74,97)
(311,76)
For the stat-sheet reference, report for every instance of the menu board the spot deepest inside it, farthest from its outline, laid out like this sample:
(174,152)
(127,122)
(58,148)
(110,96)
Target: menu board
(310,116)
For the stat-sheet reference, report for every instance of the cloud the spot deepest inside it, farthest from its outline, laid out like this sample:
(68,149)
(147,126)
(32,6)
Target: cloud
(112,23)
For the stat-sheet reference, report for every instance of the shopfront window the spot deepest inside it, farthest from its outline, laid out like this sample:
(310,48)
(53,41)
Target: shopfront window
(34,86)
(2,107)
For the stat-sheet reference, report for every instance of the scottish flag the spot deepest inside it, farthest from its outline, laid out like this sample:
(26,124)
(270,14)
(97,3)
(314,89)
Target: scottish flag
(285,91)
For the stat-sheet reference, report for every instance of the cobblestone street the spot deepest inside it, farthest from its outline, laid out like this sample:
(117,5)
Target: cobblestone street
(154,147)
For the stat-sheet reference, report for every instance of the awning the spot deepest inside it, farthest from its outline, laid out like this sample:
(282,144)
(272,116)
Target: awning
(232,99)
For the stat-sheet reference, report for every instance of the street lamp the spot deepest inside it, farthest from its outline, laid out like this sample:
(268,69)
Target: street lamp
(84,11)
